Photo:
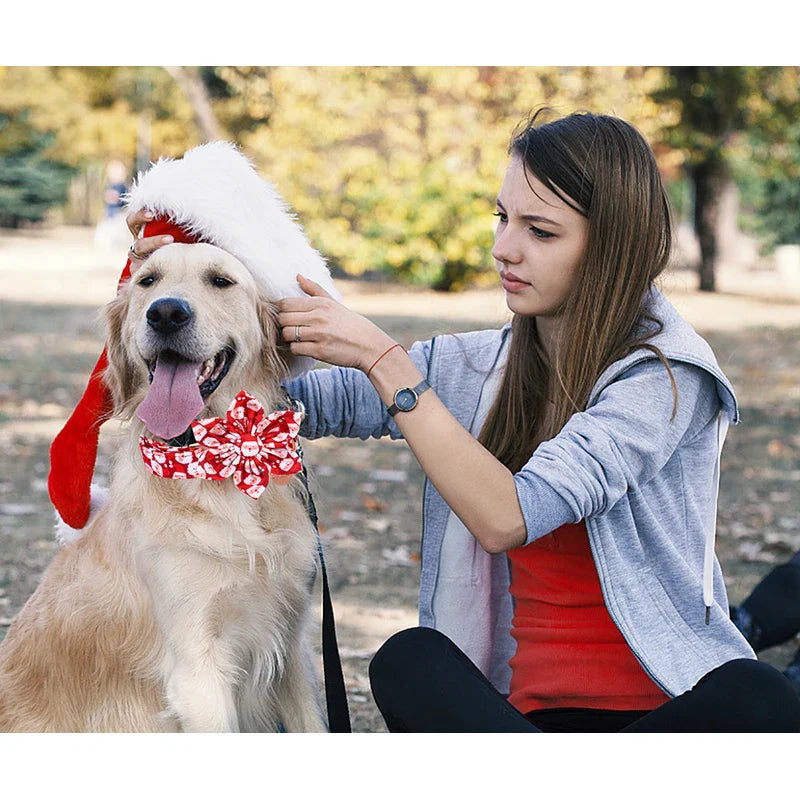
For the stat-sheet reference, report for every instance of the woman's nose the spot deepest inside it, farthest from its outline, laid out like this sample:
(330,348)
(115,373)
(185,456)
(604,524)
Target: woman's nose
(505,248)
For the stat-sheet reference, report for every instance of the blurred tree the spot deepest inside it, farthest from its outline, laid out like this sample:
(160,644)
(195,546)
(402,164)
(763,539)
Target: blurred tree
(241,96)
(98,114)
(30,183)
(715,107)
(190,79)
(395,169)
(392,170)
(767,171)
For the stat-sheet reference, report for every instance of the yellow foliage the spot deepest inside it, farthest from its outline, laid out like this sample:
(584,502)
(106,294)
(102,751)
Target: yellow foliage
(389,168)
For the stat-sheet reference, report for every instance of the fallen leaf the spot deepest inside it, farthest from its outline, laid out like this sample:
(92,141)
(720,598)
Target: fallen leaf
(777,448)
(373,504)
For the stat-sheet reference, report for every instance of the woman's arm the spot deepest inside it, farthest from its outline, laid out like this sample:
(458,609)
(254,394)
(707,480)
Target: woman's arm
(341,402)
(620,443)
(478,488)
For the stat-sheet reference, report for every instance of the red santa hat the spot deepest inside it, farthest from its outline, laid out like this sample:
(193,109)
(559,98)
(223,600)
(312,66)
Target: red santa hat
(213,194)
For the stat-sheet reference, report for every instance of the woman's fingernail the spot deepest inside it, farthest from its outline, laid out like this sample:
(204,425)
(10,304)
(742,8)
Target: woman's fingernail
(148,214)
(167,239)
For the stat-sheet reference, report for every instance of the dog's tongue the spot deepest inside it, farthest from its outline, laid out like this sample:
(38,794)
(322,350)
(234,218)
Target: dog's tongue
(173,400)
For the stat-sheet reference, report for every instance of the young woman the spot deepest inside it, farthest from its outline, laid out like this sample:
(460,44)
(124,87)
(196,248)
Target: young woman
(572,460)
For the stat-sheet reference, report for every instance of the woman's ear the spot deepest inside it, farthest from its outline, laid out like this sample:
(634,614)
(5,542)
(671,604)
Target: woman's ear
(276,356)
(120,375)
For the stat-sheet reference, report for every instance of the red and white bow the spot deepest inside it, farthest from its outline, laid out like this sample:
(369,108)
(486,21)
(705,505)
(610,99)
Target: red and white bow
(245,445)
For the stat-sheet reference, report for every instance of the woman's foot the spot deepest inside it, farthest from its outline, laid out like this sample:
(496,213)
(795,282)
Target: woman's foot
(792,672)
(771,614)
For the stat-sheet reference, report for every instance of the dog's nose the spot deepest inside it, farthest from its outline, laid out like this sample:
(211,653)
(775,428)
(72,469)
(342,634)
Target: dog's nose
(168,314)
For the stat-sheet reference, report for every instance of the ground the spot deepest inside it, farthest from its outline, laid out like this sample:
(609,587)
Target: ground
(369,493)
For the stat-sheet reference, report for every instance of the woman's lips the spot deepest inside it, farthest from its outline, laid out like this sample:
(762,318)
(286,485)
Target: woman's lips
(511,283)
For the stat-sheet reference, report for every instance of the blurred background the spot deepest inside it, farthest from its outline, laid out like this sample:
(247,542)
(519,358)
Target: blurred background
(393,172)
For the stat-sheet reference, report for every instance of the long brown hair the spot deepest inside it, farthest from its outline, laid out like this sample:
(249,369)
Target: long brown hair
(603,168)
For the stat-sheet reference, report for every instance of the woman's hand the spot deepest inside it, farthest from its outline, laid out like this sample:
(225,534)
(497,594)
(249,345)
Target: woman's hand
(322,328)
(142,249)
(479,489)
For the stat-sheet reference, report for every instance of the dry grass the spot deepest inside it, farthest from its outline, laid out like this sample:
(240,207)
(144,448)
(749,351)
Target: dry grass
(368,493)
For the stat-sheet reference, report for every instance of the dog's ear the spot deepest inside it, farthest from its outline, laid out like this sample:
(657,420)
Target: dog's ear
(119,376)
(276,356)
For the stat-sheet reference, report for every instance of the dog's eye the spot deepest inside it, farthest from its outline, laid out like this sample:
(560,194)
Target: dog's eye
(148,280)
(220,282)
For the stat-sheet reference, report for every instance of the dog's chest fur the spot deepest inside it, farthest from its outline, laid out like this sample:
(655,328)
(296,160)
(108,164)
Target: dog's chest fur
(183,606)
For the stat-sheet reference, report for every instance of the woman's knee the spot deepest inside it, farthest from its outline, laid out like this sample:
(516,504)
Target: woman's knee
(407,656)
(401,675)
(761,695)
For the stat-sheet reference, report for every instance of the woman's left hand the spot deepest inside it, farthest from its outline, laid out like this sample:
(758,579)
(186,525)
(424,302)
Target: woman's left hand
(322,328)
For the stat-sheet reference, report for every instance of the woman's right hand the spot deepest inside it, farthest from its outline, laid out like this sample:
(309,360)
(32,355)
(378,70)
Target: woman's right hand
(145,247)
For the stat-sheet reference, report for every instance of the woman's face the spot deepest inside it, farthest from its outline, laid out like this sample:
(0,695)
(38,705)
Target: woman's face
(538,244)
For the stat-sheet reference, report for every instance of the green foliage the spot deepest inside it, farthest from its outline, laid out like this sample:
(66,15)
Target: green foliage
(391,170)
(30,182)
(713,106)
(736,121)
(779,211)
(768,176)
(395,169)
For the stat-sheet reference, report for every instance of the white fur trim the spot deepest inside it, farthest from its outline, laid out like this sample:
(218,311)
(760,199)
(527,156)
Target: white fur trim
(215,193)
(65,535)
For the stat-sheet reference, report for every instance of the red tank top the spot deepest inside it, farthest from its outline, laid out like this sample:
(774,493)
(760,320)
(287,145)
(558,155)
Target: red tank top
(569,652)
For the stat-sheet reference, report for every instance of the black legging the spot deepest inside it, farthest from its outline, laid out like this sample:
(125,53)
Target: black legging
(771,614)
(423,683)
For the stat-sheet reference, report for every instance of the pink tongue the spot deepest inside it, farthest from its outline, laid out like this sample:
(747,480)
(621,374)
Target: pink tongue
(173,400)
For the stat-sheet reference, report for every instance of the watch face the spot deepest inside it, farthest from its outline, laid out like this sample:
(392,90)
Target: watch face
(405,399)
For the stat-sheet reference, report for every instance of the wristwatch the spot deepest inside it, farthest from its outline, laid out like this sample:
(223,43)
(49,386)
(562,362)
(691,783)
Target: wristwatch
(406,399)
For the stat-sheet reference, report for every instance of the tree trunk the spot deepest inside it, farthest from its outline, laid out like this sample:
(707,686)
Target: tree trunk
(710,178)
(188,78)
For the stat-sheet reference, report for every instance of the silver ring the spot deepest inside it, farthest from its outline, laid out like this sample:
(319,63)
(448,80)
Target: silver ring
(297,333)
(133,254)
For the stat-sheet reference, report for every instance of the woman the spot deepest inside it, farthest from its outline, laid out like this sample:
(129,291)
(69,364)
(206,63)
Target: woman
(568,578)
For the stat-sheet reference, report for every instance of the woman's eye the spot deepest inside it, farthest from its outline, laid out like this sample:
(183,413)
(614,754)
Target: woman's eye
(503,217)
(148,280)
(540,234)
(220,282)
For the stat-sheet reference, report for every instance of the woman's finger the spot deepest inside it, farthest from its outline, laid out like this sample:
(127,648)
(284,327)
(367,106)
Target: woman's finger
(136,220)
(304,349)
(310,287)
(289,318)
(296,333)
(295,304)
(142,249)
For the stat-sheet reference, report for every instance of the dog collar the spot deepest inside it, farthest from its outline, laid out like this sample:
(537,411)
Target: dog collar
(245,445)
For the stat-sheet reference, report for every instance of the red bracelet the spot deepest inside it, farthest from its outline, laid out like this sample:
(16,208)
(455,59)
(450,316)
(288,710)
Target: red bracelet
(382,355)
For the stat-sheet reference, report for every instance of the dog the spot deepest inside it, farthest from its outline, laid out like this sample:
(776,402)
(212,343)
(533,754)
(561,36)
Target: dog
(184,604)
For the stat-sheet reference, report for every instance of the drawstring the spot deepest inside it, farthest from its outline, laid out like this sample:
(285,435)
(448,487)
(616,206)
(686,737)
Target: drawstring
(708,558)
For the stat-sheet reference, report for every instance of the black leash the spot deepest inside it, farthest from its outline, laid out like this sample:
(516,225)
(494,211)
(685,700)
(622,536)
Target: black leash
(335,692)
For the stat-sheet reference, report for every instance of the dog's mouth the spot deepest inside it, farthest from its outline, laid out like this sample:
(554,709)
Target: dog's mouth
(178,391)
(211,373)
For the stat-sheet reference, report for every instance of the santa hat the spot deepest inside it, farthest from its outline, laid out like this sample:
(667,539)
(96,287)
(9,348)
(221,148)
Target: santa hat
(213,194)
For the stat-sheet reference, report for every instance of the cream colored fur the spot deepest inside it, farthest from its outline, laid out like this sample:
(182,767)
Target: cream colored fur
(184,605)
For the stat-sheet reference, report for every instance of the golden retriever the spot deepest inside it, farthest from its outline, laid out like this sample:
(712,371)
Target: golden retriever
(184,604)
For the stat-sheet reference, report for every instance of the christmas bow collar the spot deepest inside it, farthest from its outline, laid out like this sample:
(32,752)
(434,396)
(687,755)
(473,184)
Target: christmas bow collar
(246,445)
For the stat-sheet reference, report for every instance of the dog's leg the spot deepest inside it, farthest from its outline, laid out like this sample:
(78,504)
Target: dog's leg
(201,700)
(298,691)
(198,669)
